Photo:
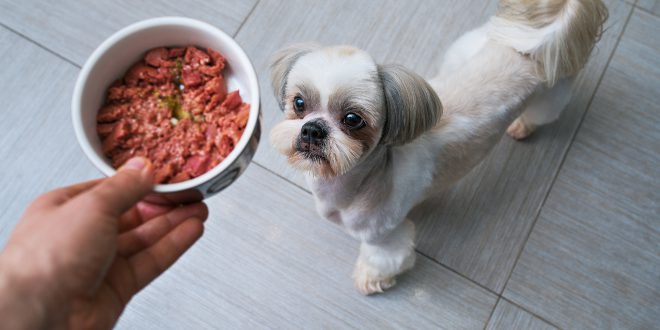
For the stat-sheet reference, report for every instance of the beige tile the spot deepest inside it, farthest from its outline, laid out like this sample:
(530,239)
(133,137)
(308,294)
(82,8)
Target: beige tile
(74,28)
(509,316)
(593,259)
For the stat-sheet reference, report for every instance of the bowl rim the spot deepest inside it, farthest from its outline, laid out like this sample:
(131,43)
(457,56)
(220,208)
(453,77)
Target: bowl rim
(252,85)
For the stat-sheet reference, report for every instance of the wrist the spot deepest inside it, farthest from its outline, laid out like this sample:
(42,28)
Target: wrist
(21,307)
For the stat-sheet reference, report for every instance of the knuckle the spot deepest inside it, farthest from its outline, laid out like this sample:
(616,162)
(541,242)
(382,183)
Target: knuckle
(96,200)
(122,181)
(42,199)
(127,175)
(45,200)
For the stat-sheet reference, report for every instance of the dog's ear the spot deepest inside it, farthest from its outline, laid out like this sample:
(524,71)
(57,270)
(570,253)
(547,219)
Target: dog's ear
(281,64)
(412,105)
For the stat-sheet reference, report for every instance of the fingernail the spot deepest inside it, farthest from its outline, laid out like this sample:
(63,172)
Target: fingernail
(136,163)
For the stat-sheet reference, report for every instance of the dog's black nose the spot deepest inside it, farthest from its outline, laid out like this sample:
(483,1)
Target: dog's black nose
(313,132)
(312,137)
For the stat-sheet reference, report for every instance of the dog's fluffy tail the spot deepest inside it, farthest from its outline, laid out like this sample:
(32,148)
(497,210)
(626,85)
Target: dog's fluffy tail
(558,34)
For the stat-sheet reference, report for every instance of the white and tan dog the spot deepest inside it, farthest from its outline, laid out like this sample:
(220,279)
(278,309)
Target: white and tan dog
(375,140)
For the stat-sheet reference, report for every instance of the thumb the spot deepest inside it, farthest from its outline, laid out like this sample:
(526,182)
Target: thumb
(117,194)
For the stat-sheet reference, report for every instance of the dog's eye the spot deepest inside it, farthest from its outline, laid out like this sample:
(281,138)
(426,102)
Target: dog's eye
(353,121)
(298,104)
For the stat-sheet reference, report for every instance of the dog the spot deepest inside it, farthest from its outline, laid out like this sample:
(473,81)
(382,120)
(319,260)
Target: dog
(376,140)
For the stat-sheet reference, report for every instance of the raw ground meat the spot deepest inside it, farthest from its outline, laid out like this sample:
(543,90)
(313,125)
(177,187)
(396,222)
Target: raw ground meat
(173,108)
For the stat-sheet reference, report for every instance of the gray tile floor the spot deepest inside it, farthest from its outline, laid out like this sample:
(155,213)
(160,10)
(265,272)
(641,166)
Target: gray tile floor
(560,231)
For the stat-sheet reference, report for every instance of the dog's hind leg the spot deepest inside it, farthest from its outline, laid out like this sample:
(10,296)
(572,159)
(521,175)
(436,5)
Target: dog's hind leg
(543,107)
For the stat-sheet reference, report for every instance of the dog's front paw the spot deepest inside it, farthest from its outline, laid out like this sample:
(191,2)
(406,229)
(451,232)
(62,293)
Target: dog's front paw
(380,262)
(367,280)
(519,130)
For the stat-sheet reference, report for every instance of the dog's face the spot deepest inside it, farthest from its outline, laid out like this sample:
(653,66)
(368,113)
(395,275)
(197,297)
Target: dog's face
(339,105)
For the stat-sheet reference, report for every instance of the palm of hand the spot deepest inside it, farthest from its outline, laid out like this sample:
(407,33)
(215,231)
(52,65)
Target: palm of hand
(146,247)
(84,251)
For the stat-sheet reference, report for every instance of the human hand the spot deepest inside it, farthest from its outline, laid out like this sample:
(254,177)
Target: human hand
(78,254)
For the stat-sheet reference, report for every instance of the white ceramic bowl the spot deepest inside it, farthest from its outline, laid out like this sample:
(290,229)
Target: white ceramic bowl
(116,54)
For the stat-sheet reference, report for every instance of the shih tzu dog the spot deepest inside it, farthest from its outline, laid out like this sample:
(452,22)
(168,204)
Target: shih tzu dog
(376,140)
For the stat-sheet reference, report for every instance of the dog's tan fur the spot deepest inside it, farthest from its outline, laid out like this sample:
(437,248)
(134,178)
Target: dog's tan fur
(579,23)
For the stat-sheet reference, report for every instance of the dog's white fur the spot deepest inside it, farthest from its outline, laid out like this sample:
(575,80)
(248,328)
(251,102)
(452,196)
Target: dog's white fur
(516,65)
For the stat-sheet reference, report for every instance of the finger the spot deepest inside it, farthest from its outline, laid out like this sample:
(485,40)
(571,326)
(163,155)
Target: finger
(61,195)
(150,263)
(152,231)
(121,283)
(149,210)
(142,212)
(117,194)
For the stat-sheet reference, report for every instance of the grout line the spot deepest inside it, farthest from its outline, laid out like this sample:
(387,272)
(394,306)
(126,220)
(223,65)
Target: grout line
(416,250)
(533,314)
(40,45)
(647,11)
(457,273)
(78,66)
(246,18)
(490,317)
(283,178)
(568,148)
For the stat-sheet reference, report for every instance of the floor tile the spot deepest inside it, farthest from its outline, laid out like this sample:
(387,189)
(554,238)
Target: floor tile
(38,143)
(276,264)
(267,260)
(651,5)
(593,258)
(74,28)
(509,316)
(479,226)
